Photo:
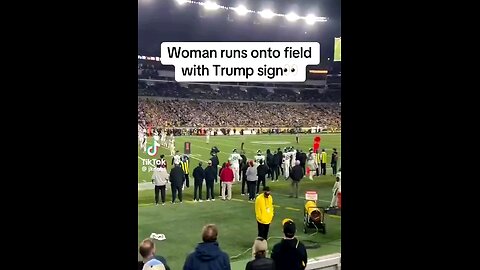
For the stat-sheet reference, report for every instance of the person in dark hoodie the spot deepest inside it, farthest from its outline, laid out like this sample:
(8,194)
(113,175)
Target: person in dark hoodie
(296,175)
(210,178)
(215,163)
(290,253)
(177,177)
(270,164)
(303,160)
(243,171)
(198,176)
(208,255)
(278,161)
(262,171)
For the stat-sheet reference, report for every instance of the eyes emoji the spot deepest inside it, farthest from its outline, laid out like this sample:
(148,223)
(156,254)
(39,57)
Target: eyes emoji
(290,70)
(293,70)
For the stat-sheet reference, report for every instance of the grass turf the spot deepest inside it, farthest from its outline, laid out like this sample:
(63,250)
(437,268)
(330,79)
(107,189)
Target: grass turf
(182,223)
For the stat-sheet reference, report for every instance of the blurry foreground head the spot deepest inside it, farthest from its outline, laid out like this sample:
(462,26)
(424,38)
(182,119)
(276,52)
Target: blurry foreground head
(147,248)
(289,228)
(260,247)
(209,233)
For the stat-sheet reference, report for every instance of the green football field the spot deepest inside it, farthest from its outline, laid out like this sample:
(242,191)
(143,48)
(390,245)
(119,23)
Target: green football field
(182,223)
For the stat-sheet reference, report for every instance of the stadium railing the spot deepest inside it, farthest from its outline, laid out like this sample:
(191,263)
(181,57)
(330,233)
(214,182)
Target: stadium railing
(327,262)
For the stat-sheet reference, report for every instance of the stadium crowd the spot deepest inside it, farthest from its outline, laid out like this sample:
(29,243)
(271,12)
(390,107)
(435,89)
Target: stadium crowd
(224,92)
(193,113)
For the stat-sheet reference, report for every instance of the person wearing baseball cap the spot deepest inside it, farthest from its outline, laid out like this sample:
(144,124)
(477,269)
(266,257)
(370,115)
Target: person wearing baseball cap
(259,252)
(290,253)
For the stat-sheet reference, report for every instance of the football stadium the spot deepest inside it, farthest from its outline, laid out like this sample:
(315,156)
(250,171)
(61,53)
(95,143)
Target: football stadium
(279,128)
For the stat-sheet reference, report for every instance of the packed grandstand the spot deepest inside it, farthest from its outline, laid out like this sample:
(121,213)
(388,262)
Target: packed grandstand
(164,103)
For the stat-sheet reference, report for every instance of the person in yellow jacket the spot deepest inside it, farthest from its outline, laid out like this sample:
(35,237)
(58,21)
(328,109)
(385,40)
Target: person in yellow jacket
(323,162)
(264,212)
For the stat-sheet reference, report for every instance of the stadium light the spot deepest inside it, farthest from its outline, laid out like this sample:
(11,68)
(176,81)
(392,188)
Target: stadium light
(211,5)
(267,14)
(241,10)
(181,2)
(291,17)
(310,19)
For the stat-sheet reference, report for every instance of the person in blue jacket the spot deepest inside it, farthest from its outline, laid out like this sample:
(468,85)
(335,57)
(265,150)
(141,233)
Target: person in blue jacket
(208,255)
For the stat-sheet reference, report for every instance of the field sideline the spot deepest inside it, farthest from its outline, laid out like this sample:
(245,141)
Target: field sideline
(182,223)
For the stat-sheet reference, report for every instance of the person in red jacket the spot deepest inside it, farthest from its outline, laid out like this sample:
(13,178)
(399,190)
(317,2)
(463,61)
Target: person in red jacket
(226,177)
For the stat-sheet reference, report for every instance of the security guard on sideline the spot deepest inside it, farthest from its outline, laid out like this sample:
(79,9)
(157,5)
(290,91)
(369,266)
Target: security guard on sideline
(323,159)
(185,162)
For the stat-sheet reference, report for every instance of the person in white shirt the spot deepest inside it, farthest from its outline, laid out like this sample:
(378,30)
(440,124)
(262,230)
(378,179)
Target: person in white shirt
(259,157)
(286,163)
(143,142)
(337,188)
(312,164)
(176,158)
(208,136)
(156,138)
(293,156)
(163,139)
(160,179)
(140,139)
(235,160)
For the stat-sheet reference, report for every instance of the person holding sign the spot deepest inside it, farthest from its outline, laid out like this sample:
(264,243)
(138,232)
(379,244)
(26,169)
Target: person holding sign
(264,212)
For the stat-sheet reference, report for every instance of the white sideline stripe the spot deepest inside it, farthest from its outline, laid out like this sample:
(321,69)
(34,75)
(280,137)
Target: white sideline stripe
(144,186)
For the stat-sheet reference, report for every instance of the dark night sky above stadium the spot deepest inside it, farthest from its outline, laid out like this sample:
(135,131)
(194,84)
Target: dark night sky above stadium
(165,20)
